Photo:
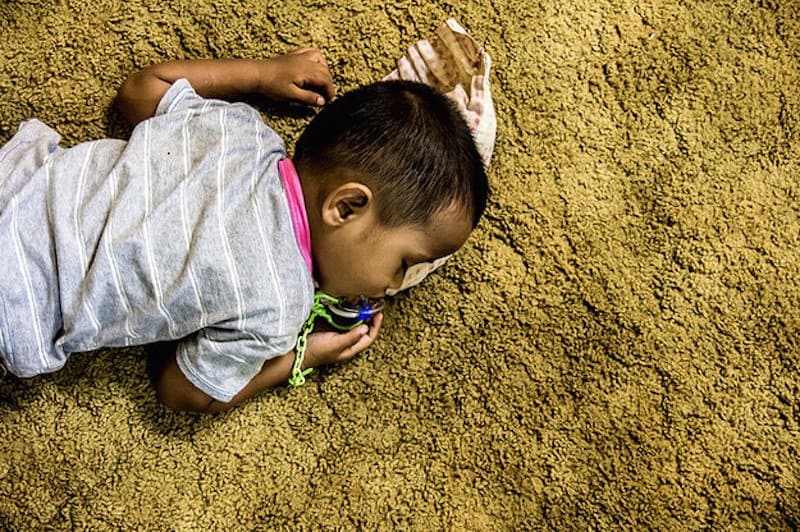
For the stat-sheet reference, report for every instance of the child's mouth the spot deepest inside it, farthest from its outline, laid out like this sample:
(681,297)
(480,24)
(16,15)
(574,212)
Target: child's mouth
(358,308)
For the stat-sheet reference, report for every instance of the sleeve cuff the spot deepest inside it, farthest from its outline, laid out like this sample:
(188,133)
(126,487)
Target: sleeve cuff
(199,382)
(174,95)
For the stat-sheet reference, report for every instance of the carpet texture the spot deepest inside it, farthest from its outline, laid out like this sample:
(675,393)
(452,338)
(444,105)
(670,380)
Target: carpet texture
(616,346)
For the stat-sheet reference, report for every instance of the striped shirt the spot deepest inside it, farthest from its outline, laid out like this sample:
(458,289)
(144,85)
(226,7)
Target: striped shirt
(181,233)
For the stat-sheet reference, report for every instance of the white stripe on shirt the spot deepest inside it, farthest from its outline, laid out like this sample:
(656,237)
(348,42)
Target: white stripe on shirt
(264,243)
(79,235)
(185,219)
(146,229)
(226,246)
(28,284)
(115,268)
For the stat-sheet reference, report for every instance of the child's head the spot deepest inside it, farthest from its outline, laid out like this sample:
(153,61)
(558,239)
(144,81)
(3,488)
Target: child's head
(392,177)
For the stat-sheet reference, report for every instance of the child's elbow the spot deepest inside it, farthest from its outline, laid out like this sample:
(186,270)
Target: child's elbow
(128,99)
(139,95)
(175,392)
(175,403)
(171,402)
(195,401)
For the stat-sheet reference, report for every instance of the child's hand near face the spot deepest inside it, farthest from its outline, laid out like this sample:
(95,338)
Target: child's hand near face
(301,77)
(329,347)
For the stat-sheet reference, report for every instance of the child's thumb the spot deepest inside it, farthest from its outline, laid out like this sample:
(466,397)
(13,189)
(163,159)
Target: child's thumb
(358,333)
(345,340)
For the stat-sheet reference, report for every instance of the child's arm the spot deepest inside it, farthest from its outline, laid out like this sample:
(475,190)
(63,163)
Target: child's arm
(301,76)
(177,393)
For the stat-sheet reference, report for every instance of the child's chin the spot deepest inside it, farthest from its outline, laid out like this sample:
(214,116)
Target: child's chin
(336,293)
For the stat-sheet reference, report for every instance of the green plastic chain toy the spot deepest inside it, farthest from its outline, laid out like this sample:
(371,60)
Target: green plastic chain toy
(327,307)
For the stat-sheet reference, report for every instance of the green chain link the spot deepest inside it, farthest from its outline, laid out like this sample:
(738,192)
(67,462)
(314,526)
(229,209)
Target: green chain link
(318,310)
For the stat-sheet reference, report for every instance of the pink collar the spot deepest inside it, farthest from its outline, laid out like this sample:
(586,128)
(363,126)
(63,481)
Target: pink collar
(297,209)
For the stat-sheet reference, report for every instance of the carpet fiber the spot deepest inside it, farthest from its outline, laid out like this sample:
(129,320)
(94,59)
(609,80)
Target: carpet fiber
(617,344)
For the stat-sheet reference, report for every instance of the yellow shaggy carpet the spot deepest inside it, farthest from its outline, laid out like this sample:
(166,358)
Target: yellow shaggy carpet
(616,346)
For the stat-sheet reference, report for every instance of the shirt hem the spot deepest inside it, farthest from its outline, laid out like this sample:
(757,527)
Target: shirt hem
(172,96)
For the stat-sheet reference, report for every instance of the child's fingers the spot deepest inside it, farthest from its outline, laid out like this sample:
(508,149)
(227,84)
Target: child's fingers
(307,97)
(315,87)
(365,338)
(377,322)
(320,78)
(345,341)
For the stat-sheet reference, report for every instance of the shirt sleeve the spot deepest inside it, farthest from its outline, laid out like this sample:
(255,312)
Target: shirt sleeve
(181,96)
(221,362)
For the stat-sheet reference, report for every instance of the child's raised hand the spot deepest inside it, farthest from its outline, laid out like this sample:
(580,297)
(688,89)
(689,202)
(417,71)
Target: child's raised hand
(333,347)
(301,76)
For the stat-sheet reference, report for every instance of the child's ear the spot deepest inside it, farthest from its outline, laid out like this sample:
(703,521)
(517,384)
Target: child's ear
(346,203)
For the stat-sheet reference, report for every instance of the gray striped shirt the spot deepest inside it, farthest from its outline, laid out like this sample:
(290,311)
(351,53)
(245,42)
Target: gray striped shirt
(183,232)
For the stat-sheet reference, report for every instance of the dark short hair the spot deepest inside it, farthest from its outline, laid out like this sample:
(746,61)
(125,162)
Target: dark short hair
(405,140)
